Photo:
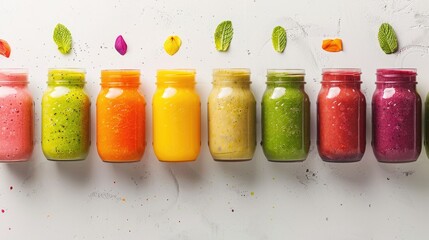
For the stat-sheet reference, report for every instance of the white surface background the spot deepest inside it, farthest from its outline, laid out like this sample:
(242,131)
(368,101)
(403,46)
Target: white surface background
(207,199)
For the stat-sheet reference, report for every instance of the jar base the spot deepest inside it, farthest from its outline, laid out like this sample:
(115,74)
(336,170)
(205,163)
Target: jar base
(286,161)
(232,160)
(176,161)
(65,160)
(120,161)
(14,161)
(396,162)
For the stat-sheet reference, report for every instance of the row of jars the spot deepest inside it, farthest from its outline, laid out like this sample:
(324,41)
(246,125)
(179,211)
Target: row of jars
(120,116)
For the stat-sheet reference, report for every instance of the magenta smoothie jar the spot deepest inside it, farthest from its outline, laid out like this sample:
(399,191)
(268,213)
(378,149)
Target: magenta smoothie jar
(396,116)
(16,116)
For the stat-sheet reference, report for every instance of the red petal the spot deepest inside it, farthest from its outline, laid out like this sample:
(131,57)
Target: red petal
(4,48)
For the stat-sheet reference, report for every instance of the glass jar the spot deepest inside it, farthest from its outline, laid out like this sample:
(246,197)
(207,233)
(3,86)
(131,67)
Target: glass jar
(176,116)
(231,116)
(120,117)
(396,116)
(341,116)
(65,116)
(16,116)
(285,116)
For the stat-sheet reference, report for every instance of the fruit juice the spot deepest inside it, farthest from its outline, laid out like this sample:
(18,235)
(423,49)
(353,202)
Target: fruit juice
(285,117)
(120,117)
(176,116)
(231,116)
(16,116)
(65,116)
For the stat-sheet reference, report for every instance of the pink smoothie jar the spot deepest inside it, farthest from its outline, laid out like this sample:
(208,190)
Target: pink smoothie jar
(396,116)
(16,116)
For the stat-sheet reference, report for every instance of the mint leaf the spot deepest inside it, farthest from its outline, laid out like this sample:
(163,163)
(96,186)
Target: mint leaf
(279,39)
(63,39)
(387,38)
(223,36)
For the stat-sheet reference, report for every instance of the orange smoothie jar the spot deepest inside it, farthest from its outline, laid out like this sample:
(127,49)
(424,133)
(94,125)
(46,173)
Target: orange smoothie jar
(120,117)
(176,110)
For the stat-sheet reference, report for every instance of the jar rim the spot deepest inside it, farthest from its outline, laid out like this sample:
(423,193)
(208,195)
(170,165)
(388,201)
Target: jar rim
(66,75)
(341,75)
(119,76)
(172,76)
(285,71)
(231,72)
(14,75)
(342,71)
(396,72)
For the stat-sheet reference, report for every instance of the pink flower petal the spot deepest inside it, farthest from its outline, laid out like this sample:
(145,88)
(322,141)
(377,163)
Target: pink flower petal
(121,45)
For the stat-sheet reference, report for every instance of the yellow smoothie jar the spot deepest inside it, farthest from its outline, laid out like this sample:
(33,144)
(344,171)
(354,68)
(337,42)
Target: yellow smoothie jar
(231,116)
(176,116)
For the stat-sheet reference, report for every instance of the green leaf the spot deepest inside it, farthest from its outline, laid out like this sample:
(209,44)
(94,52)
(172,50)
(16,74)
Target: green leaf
(279,39)
(223,36)
(63,39)
(387,38)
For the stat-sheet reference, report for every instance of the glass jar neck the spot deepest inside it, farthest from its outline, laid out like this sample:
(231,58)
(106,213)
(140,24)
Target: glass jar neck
(120,78)
(178,78)
(397,76)
(233,77)
(13,77)
(66,77)
(341,75)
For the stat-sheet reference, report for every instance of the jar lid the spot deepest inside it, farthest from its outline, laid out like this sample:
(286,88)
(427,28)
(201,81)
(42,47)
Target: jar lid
(176,76)
(120,76)
(10,75)
(283,75)
(387,75)
(341,75)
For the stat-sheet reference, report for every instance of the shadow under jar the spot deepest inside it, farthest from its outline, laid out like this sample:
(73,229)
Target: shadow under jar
(396,116)
(231,116)
(65,116)
(285,116)
(16,116)
(341,116)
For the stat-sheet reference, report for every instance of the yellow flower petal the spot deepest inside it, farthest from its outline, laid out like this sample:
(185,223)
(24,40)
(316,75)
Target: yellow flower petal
(172,45)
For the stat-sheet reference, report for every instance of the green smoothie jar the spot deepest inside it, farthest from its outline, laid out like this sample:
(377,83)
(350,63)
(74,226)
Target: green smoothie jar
(285,116)
(65,116)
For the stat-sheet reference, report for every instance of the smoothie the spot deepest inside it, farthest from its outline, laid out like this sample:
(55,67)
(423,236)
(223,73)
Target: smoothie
(176,111)
(65,116)
(231,116)
(16,116)
(285,117)
(396,116)
(341,112)
(120,117)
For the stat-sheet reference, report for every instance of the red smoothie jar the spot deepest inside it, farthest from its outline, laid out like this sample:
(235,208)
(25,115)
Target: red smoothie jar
(341,113)
(396,116)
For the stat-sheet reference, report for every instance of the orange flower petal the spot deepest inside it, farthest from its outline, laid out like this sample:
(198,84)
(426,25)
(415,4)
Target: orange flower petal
(332,45)
(4,48)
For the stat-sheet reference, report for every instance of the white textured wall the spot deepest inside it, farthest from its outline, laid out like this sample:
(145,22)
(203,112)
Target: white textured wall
(207,199)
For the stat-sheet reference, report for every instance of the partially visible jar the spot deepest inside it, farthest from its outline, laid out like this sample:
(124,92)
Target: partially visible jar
(285,116)
(65,116)
(16,116)
(176,111)
(341,116)
(396,116)
(231,116)
(121,117)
